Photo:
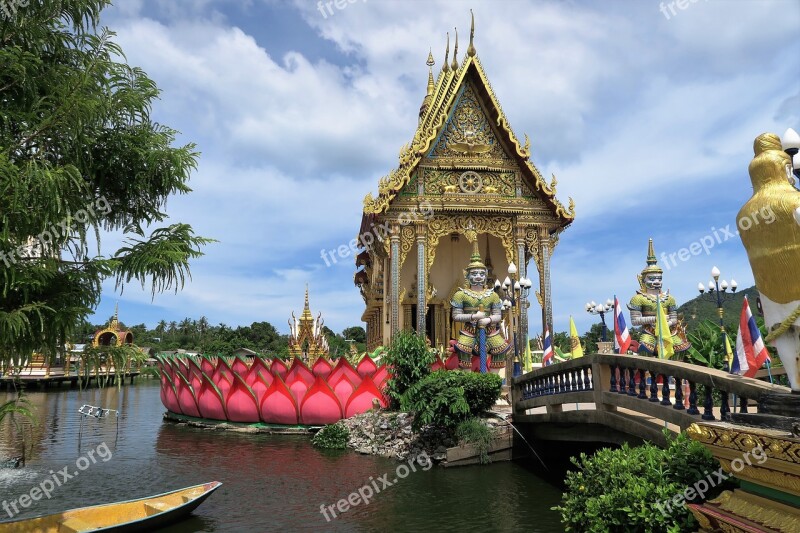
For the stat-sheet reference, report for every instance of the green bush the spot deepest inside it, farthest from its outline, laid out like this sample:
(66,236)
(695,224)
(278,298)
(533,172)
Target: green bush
(474,431)
(447,397)
(620,489)
(410,360)
(332,436)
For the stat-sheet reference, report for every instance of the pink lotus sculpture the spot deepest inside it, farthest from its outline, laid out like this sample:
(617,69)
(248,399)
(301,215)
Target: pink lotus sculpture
(269,391)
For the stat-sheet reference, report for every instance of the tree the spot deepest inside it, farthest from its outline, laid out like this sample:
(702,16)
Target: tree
(355,333)
(79,153)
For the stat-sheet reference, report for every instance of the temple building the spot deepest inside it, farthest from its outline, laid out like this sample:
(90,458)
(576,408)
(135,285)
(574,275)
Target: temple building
(112,334)
(464,173)
(306,339)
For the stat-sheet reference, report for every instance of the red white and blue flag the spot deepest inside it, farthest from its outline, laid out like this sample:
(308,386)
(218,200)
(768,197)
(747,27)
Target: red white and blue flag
(751,353)
(547,357)
(622,338)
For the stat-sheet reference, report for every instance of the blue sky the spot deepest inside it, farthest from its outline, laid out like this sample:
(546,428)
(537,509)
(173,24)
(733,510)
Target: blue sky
(646,118)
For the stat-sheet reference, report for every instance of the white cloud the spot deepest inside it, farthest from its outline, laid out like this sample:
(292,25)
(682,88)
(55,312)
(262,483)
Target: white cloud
(627,108)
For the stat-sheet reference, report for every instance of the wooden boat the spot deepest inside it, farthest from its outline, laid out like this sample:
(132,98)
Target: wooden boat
(144,514)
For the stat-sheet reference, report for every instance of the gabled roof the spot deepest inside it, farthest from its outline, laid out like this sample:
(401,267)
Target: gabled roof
(436,108)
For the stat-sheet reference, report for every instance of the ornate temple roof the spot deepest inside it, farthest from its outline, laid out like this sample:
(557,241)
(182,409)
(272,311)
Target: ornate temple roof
(112,332)
(437,106)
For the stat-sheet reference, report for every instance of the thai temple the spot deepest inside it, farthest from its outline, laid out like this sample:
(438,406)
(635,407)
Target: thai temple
(112,334)
(463,179)
(306,339)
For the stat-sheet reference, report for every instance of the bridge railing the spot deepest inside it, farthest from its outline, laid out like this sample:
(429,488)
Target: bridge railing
(646,385)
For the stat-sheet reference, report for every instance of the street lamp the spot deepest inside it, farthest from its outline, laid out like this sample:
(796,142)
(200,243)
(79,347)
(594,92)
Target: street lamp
(600,309)
(717,291)
(513,291)
(790,142)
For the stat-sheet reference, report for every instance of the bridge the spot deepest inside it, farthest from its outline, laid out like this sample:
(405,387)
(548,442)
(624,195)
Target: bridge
(615,398)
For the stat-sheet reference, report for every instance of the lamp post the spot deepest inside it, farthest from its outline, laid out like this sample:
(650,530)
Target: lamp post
(513,291)
(717,290)
(790,141)
(600,309)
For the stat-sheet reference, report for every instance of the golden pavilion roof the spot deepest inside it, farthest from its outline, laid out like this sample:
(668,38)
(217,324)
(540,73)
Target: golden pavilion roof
(437,105)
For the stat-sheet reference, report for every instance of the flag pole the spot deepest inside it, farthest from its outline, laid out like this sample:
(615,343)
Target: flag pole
(769,371)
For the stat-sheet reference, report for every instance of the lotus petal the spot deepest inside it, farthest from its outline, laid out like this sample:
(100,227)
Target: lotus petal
(241,403)
(322,367)
(182,367)
(361,400)
(381,376)
(298,388)
(343,366)
(210,400)
(437,365)
(366,367)
(186,397)
(239,366)
(169,395)
(343,388)
(261,385)
(299,370)
(194,373)
(207,366)
(279,368)
(320,406)
(278,405)
(257,366)
(223,369)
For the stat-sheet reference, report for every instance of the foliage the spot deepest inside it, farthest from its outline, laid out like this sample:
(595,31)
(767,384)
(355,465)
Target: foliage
(619,489)
(446,398)
(79,153)
(474,431)
(707,346)
(410,360)
(332,436)
(102,359)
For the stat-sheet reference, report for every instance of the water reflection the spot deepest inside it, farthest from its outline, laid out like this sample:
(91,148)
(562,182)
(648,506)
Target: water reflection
(270,482)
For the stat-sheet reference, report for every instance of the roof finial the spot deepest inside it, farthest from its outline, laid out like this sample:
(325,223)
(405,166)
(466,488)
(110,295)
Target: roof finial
(454,65)
(430,62)
(471,47)
(306,304)
(445,66)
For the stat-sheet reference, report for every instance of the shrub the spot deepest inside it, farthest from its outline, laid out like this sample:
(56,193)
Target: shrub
(332,436)
(447,397)
(474,431)
(620,489)
(410,360)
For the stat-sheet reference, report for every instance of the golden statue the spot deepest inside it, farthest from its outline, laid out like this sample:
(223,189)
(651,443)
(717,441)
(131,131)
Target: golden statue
(769,225)
(643,307)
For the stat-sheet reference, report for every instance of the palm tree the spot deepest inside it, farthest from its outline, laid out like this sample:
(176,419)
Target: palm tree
(161,327)
(202,327)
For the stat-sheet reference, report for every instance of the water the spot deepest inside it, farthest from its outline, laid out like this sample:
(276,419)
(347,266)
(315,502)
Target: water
(270,482)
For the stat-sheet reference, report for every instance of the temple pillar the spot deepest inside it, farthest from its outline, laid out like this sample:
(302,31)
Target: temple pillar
(544,279)
(422,285)
(523,302)
(394,304)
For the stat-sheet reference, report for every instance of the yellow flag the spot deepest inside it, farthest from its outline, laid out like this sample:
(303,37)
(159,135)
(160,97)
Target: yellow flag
(528,361)
(574,340)
(728,352)
(663,335)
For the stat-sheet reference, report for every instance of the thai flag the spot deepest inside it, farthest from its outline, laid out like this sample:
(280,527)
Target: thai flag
(547,358)
(622,339)
(751,353)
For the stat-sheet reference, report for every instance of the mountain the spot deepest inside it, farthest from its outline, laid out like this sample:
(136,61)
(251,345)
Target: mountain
(704,307)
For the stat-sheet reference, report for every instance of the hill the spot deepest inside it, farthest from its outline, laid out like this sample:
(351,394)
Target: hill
(704,307)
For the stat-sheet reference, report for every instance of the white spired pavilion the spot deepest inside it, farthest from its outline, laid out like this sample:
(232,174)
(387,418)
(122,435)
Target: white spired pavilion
(464,175)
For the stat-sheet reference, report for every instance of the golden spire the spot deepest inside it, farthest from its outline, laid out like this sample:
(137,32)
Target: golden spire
(445,66)
(471,47)
(454,65)
(306,309)
(429,94)
(115,321)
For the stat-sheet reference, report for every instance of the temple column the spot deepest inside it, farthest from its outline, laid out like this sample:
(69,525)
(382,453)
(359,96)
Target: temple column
(394,242)
(523,302)
(544,279)
(422,285)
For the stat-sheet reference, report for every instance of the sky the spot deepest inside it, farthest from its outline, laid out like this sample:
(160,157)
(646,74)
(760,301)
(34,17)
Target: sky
(645,111)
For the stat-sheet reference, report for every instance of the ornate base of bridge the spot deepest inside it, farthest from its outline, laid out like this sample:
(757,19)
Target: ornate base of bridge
(767,464)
